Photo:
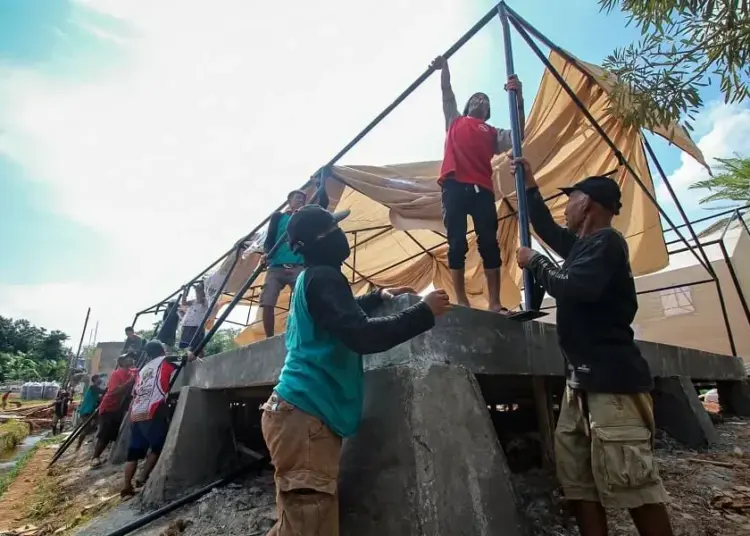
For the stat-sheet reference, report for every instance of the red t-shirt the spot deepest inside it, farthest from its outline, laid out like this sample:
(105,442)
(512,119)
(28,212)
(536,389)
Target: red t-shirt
(110,401)
(470,145)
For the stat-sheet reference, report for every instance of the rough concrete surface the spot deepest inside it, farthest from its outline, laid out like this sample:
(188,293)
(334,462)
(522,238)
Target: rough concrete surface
(199,447)
(483,342)
(679,411)
(734,397)
(119,452)
(426,460)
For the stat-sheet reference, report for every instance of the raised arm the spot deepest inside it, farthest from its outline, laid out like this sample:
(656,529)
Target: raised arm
(334,309)
(450,108)
(559,238)
(504,139)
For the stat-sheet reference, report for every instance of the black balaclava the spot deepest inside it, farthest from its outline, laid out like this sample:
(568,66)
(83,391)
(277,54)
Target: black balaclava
(330,250)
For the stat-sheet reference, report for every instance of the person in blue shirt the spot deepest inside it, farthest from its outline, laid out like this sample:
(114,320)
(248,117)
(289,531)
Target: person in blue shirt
(318,399)
(284,265)
(88,407)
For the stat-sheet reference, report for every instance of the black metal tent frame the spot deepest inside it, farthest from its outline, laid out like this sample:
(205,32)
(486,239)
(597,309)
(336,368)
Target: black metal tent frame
(508,18)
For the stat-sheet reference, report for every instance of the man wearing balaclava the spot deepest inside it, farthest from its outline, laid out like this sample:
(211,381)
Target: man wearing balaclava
(318,400)
(466,182)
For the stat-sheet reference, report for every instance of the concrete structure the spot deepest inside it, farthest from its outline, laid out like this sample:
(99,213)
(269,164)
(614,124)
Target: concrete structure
(104,360)
(426,460)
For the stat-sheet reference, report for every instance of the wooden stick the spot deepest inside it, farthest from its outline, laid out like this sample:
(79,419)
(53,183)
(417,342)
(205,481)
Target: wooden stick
(720,464)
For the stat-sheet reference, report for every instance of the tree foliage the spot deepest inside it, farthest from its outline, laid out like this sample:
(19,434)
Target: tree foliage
(731,183)
(685,45)
(222,341)
(31,353)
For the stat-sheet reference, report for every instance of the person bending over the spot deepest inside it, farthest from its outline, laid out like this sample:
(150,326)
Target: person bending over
(605,433)
(113,405)
(318,399)
(466,182)
(88,407)
(149,414)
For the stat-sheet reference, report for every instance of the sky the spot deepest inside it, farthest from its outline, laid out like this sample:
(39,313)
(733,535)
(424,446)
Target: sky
(139,139)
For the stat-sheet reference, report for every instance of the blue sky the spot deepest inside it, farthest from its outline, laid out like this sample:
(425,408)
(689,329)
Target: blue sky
(127,128)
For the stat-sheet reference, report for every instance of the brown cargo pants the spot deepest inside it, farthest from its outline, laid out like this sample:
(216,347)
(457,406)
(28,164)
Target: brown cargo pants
(305,454)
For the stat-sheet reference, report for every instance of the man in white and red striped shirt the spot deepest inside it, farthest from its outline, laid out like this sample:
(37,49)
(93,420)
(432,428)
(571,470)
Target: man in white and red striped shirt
(149,413)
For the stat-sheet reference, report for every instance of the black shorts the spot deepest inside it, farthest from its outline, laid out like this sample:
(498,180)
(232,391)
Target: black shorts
(461,200)
(109,425)
(191,336)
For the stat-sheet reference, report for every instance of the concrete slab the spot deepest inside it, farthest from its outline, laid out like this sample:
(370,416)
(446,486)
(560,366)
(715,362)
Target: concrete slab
(734,397)
(679,411)
(426,460)
(119,453)
(199,447)
(482,342)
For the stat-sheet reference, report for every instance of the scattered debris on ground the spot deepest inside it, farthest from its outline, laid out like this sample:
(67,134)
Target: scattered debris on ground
(709,490)
(44,502)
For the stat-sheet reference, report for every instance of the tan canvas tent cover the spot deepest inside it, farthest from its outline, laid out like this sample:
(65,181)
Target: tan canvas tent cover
(395,228)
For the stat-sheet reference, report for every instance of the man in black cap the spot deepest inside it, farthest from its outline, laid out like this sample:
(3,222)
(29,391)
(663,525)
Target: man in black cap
(605,432)
(318,399)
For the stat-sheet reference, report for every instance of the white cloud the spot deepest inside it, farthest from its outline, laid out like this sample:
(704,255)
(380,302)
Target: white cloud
(220,109)
(727,131)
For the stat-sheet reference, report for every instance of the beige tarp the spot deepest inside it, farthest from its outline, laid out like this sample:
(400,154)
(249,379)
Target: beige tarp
(396,230)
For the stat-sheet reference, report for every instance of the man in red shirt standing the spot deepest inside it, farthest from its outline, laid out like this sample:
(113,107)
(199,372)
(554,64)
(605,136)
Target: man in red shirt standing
(466,181)
(112,407)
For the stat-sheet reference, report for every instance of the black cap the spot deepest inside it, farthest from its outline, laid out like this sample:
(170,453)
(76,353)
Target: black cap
(309,223)
(154,349)
(603,190)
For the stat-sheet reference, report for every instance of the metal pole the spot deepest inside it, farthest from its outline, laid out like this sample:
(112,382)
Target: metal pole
(414,85)
(78,353)
(521,28)
(217,295)
(515,131)
(677,203)
(735,281)
(241,293)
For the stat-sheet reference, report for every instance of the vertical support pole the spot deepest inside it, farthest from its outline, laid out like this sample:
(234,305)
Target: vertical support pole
(66,379)
(214,300)
(735,282)
(354,258)
(545,418)
(522,26)
(515,130)
(709,268)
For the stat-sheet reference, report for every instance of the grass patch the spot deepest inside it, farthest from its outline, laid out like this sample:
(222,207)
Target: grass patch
(11,434)
(7,479)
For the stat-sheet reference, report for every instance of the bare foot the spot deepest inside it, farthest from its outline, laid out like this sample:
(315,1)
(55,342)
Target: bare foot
(463,300)
(127,492)
(499,309)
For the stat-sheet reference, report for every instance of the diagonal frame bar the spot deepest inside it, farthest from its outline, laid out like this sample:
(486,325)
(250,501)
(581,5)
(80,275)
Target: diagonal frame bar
(522,26)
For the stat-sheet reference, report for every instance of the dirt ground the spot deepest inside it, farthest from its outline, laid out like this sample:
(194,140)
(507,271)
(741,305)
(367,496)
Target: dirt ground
(41,502)
(709,492)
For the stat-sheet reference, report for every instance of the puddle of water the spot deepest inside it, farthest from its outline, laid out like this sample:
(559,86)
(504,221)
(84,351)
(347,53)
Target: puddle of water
(9,459)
